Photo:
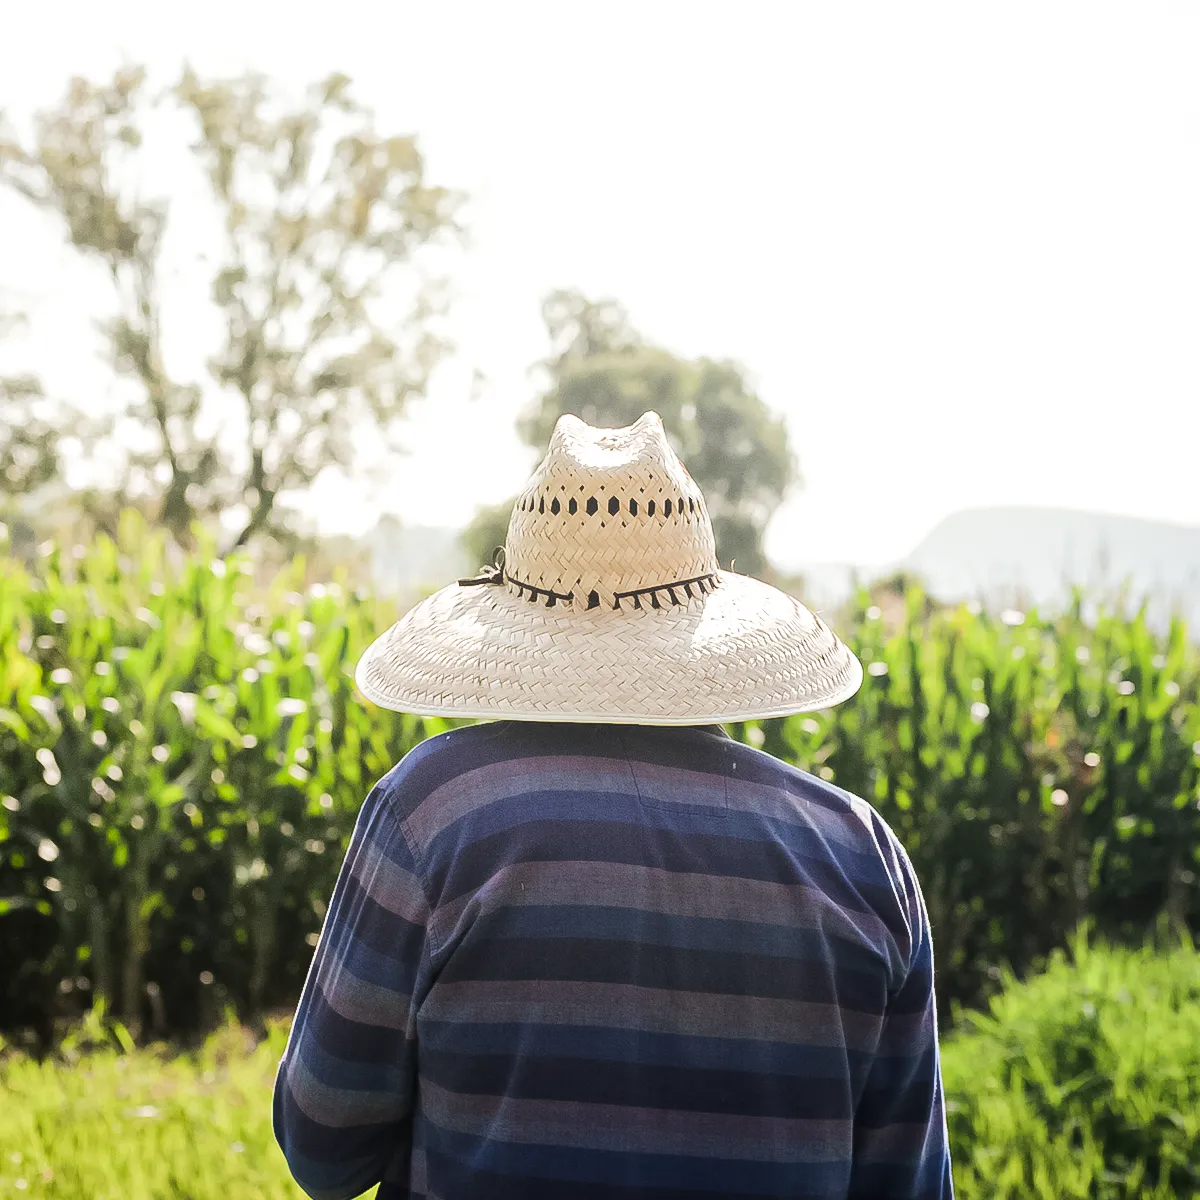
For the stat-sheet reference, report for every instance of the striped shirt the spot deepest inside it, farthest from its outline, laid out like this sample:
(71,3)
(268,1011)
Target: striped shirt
(589,961)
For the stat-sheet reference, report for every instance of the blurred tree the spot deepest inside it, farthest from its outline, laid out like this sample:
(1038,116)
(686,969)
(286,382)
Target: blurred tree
(318,215)
(28,445)
(487,530)
(601,370)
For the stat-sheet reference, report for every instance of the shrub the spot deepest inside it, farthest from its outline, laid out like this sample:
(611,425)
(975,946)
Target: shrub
(1083,1082)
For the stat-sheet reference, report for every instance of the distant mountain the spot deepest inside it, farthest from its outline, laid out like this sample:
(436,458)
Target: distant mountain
(1045,551)
(1036,555)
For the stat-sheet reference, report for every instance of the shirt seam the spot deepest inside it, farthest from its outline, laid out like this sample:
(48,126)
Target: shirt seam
(675,805)
(629,765)
(410,842)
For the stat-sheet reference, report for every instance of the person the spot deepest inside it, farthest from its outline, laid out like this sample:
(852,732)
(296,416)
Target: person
(594,946)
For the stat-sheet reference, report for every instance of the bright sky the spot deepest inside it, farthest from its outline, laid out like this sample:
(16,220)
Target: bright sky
(958,245)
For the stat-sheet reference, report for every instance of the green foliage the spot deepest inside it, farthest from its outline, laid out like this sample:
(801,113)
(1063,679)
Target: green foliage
(181,763)
(736,449)
(319,216)
(182,757)
(1082,1083)
(1040,771)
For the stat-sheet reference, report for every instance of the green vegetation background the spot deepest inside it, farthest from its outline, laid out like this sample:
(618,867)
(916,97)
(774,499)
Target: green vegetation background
(183,755)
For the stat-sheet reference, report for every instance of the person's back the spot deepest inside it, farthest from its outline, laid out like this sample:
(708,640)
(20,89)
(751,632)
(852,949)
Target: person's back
(636,961)
(595,947)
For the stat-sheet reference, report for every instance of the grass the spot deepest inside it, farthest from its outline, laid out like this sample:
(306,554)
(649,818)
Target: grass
(105,1122)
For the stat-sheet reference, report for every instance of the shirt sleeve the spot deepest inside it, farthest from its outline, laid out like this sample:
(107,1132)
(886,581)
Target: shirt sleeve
(344,1091)
(901,1149)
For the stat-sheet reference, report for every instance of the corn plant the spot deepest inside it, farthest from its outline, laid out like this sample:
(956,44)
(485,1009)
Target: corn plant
(1041,771)
(181,761)
(183,755)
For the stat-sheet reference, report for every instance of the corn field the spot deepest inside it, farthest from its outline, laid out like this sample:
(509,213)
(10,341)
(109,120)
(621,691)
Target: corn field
(182,758)
(183,754)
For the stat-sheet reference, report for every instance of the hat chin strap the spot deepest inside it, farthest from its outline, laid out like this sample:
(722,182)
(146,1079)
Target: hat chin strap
(492,573)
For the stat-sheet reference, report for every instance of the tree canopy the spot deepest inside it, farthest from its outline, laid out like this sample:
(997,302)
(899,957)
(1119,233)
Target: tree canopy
(601,370)
(325,285)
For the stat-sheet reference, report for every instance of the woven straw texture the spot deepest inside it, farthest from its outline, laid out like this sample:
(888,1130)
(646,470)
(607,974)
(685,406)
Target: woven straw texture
(610,606)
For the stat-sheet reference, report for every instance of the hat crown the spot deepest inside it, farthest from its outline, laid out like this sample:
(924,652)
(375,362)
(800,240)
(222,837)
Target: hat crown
(610,516)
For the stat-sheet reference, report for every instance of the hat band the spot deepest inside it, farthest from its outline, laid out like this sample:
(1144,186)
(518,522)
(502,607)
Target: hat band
(702,583)
(696,586)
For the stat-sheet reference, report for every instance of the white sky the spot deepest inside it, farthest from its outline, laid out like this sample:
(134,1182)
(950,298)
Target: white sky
(957,244)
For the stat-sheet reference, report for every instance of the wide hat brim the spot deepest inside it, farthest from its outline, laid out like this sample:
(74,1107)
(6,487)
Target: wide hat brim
(745,651)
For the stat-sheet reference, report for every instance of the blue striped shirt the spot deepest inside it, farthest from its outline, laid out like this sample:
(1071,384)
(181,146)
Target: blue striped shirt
(616,961)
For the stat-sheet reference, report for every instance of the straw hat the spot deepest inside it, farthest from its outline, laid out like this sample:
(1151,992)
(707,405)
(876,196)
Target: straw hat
(608,605)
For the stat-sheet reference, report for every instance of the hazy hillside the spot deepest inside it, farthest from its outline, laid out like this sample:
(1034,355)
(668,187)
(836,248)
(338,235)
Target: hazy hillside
(1043,551)
(1019,555)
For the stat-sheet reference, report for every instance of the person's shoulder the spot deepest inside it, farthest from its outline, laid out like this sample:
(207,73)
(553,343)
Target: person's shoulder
(439,760)
(858,814)
(436,760)
(848,821)
(756,765)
